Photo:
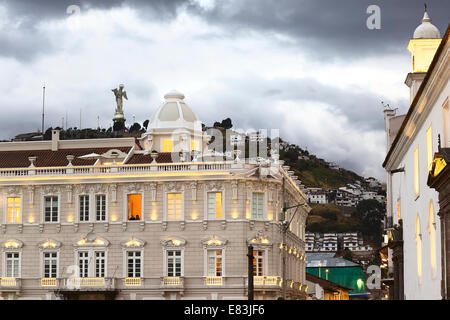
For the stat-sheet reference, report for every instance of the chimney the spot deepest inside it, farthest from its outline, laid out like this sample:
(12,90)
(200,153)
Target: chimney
(388,114)
(55,140)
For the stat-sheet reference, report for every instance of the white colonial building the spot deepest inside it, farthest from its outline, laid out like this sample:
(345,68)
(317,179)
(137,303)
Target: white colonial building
(147,218)
(412,140)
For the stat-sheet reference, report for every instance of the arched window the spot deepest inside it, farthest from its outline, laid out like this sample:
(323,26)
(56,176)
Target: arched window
(418,239)
(432,231)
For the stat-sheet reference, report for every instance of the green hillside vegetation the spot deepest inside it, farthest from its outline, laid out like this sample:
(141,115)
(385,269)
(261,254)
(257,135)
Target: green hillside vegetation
(325,218)
(315,172)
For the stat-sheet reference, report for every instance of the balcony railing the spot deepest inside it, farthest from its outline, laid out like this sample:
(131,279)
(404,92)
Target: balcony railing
(265,281)
(132,282)
(49,282)
(80,283)
(118,169)
(214,281)
(172,282)
(10,282)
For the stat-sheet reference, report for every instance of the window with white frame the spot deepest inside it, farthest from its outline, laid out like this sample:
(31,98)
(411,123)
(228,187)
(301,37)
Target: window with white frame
(50,264)
(134,264)
(214,263)
(258,263)
(174,263)
(257,205)
(13,210)
(100,207)
(51,209)
(12,264)
(174,204)
(84,207)
(214,205)
(83,263)
(100,264)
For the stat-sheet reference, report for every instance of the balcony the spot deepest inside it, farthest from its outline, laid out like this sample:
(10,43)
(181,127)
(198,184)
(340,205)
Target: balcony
(49,282)
(172,283)
(8,284)
(89,283)
(266,281)
(132,282)
(214,281)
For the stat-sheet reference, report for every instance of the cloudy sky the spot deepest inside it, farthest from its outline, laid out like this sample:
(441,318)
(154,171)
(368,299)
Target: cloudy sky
(310,68)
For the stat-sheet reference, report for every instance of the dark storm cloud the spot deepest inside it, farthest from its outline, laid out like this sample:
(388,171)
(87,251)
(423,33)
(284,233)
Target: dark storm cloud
(327,29)
(330,28)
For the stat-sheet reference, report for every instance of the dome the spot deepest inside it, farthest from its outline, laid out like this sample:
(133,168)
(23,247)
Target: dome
(427,30)
(174,113)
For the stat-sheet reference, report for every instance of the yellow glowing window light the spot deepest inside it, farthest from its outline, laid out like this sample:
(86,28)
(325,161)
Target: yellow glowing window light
(173,206)
(13,210)
(399,213)
(429,147)
(134,206)
(214,205)
(416,170)
(167,145)
(194,145)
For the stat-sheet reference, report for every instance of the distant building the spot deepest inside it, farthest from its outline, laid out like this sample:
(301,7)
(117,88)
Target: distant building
(322,289)
(338,270)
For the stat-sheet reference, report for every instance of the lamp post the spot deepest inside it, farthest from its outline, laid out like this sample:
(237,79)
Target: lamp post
(250,273)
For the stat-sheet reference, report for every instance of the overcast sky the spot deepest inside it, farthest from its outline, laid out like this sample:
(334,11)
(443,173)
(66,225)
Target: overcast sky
(310,68)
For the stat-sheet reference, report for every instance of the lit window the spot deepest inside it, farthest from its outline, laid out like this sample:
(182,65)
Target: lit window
(194,145)
(399,213)
(174,263)
(429,147)
(257,205)
(432,231)
(174,206)
(12,265)
(418,248)
(134,206)
(258,261)
(100,202)
(84,208)
(13,210)
(214,205)
(100,264)
(167,145)
(50,265)
(416,171)
(214,263)
(134,263)
(51,209)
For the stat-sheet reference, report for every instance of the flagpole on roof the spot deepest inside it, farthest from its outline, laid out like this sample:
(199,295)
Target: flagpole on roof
(43,107)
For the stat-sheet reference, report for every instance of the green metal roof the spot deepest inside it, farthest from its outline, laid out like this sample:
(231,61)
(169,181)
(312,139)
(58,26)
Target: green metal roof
(350,277)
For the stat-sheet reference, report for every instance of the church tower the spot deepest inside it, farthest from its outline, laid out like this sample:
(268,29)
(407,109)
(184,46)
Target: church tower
(423,46)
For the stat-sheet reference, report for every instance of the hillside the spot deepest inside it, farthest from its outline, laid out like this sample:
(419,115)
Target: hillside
(313,171)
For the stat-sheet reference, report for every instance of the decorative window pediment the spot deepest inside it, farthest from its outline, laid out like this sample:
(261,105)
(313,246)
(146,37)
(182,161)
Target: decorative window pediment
(133,243)
(49,244)
(12,244)
(214,186)
(173,242)
(214,241)
(92,240)
(259,239)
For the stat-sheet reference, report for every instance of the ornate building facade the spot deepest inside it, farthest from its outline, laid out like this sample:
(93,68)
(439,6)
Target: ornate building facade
(148,218)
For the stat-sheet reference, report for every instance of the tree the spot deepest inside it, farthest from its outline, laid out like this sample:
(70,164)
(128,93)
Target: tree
(370,213)
(226,123)
(145,124)
(136,127)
